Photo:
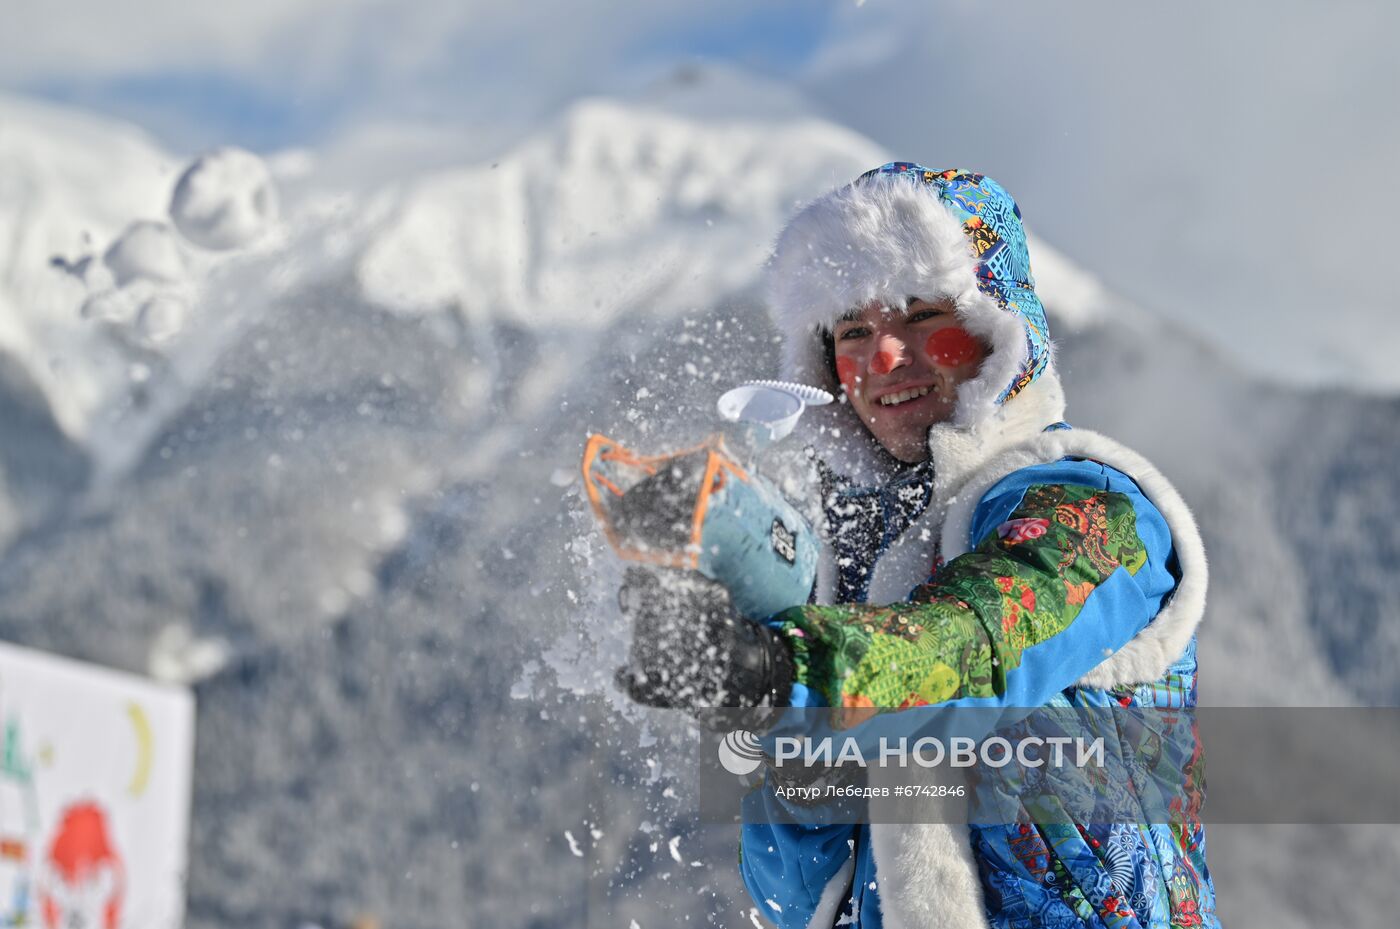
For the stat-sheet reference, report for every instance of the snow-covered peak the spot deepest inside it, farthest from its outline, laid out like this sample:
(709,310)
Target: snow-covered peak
(123,272)
(627,206)
(70,184)
(615,208)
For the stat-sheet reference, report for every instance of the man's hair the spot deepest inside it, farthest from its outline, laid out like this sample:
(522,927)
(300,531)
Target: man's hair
(829,353)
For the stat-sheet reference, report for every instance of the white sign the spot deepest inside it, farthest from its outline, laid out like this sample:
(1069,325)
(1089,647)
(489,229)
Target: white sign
(95,769)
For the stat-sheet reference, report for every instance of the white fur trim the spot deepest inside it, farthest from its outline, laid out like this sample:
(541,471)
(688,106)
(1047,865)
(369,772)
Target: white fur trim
(836,892)
(884,239)
(957,453)
(910,556)
(926,876)
(958,450)
(1152,650)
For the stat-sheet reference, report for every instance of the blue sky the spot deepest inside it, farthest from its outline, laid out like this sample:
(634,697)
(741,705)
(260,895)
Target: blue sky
(301,86)
(197,109)
(1195,156)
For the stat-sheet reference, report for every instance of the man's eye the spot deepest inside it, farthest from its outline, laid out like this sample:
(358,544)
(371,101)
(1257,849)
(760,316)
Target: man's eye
(855,332)
(919,316)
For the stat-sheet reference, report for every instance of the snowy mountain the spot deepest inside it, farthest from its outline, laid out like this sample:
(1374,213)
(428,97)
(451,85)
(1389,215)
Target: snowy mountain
(70,184)
(345,475)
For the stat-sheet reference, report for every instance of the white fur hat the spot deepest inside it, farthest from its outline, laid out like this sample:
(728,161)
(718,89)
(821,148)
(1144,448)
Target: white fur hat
(898,232)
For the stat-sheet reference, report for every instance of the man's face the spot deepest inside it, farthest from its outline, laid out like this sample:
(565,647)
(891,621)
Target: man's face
(901,371)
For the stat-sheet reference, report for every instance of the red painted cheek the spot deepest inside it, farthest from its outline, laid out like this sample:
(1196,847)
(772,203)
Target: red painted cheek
(952,346)
(846,368)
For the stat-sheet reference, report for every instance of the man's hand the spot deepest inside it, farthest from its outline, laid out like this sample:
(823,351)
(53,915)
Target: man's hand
(690,650)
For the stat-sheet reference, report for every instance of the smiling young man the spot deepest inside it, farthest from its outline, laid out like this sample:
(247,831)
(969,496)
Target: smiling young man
(1048,566)
(900,370)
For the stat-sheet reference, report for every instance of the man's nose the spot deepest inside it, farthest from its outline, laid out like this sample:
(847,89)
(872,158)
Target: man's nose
(890,353)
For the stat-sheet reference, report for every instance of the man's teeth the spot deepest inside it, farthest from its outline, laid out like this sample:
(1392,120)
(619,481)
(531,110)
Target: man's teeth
(903,395)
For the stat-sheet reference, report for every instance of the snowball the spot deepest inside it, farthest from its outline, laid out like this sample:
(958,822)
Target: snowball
(161,317)
(120,306)
(225,199)
(177,656)
(148,250)
(144,313)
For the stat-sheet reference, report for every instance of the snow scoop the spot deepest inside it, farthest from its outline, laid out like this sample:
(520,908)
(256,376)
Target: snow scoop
(700,509)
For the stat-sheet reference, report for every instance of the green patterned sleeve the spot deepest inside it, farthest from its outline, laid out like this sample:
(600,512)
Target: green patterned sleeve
(962,633)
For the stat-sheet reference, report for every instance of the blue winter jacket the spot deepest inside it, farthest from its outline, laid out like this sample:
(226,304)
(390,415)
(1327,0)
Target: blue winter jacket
(1120,569)
(1049,566)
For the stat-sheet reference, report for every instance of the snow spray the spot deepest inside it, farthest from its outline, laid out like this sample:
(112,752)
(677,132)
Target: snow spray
(704,509)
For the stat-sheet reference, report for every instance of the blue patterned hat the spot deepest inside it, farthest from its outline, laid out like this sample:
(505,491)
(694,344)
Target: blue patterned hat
(992,222)
(899,232)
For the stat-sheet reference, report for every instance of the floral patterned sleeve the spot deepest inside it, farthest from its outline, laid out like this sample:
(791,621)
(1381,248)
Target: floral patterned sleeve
(967,629)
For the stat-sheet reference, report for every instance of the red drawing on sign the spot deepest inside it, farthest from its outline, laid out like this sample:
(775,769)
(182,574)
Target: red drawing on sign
(83,878)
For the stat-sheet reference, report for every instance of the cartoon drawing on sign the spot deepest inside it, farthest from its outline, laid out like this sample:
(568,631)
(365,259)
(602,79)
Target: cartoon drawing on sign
(82,879)
(141,730)
(94,792)
(19,829)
